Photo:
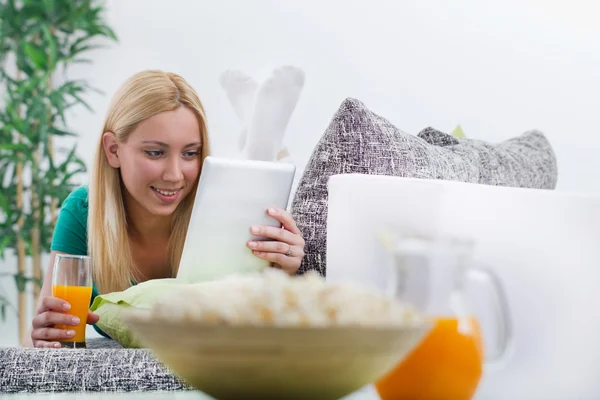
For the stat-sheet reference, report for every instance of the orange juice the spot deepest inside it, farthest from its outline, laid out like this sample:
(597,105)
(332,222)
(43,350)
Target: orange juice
(79,298)
(446,365)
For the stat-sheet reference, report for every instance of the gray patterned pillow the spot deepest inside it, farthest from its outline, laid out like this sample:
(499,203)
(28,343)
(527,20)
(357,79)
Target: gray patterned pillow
(524,161)
(360,141)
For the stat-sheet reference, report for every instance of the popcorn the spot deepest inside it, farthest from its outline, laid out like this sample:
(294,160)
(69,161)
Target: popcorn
(276,299)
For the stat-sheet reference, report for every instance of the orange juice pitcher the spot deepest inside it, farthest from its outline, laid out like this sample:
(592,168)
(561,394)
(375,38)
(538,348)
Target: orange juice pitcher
(432,274)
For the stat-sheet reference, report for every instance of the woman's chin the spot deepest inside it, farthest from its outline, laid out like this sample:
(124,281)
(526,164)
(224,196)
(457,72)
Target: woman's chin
(164,210)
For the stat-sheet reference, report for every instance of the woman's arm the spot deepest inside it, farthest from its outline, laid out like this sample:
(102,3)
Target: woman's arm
(69,238)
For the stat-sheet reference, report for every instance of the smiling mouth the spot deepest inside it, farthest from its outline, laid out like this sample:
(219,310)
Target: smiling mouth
(165,192)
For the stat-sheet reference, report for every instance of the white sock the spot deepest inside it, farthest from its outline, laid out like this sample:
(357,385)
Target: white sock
(240,89)
(274,103)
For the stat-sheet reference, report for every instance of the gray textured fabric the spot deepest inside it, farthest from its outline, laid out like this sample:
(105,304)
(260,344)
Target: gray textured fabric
(102,343)
(435,137)
(524,161)
(104,366)
(360,141)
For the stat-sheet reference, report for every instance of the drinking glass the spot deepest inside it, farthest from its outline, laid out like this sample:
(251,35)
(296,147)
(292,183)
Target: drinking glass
(72,282)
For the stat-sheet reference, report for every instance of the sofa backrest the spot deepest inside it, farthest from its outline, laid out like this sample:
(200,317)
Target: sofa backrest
(358,140)
(543,245)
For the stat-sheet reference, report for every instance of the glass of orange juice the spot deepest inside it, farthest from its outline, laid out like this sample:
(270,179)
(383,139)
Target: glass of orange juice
(72,282)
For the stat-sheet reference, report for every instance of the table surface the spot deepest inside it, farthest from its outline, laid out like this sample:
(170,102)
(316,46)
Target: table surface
(366,393)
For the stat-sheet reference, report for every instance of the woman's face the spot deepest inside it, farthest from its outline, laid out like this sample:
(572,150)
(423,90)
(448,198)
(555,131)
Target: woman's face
(160,161)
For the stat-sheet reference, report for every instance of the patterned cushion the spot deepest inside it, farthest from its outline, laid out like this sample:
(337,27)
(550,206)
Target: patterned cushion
(360,141)
(103,366)
(524,161)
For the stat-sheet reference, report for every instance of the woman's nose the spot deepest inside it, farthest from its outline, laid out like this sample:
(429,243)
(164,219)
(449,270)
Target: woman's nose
(173,172)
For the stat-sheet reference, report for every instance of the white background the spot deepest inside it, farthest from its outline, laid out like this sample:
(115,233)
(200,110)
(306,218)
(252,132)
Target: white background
(497,68)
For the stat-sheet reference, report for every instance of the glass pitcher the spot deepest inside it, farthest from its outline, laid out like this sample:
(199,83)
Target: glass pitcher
(433,274)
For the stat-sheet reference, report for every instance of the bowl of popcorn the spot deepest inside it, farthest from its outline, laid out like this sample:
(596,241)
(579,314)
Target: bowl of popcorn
(268,335)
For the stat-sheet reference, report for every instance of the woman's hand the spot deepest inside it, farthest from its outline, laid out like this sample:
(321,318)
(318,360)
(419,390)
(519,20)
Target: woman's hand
(50,313)
(286,250)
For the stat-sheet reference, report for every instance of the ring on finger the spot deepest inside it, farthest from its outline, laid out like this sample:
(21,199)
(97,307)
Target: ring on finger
(290,252)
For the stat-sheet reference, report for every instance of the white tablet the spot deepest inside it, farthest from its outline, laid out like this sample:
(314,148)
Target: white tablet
(232,196)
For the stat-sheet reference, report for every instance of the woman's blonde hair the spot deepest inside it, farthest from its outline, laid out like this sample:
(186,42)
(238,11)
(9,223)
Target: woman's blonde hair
(142,96)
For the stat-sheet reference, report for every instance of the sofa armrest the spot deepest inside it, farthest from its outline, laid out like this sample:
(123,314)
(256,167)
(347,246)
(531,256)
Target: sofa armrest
(91,370)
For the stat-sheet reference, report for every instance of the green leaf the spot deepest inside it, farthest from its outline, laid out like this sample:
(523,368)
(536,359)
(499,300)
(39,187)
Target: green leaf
(109,32)
(27,85)
(23,65)
(21,282)
(36,55)
(43,133)
(49,6)
(60,132)
(3,204)
(458,132)
(67,177)
(51,43)
(13,116)
(3,245)
(82,102)
(16,147)
(23,157)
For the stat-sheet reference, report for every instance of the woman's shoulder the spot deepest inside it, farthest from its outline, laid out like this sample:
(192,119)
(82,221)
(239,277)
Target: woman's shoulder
(70,232)
(77,198)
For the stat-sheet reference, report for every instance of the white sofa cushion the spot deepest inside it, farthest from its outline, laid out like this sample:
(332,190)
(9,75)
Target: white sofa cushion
(542,244)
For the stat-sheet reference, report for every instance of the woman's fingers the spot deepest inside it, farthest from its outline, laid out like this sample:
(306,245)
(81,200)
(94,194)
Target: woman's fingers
(281,255)
(286,249)
(92,318)
(52,324)
(277,247)
(44,334)
(49,334)
(50,318)
(278,234)
(269,246)
(47,345)
(286,262)
(285,218)
(50,303)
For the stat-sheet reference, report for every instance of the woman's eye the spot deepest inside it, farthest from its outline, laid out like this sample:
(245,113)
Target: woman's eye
(154,153)
(190,154)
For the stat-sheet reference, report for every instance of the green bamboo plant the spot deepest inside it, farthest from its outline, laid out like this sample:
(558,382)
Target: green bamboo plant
(39,39)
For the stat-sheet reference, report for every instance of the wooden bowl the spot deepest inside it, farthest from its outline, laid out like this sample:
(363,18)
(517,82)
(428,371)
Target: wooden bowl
(268,362)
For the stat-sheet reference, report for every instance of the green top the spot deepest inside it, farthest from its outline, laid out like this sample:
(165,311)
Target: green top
(70,232)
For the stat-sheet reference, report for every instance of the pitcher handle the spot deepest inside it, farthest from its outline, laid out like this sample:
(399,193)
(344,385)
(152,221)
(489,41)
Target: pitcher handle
(501,311)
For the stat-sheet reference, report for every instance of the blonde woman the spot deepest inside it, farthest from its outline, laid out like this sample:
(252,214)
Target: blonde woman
(133,217)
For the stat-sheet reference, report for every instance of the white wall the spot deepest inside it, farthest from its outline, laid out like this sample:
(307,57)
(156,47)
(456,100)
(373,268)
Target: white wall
(497,68)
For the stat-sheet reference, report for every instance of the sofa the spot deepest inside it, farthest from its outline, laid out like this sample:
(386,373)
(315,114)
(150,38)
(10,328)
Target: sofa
(357,141)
